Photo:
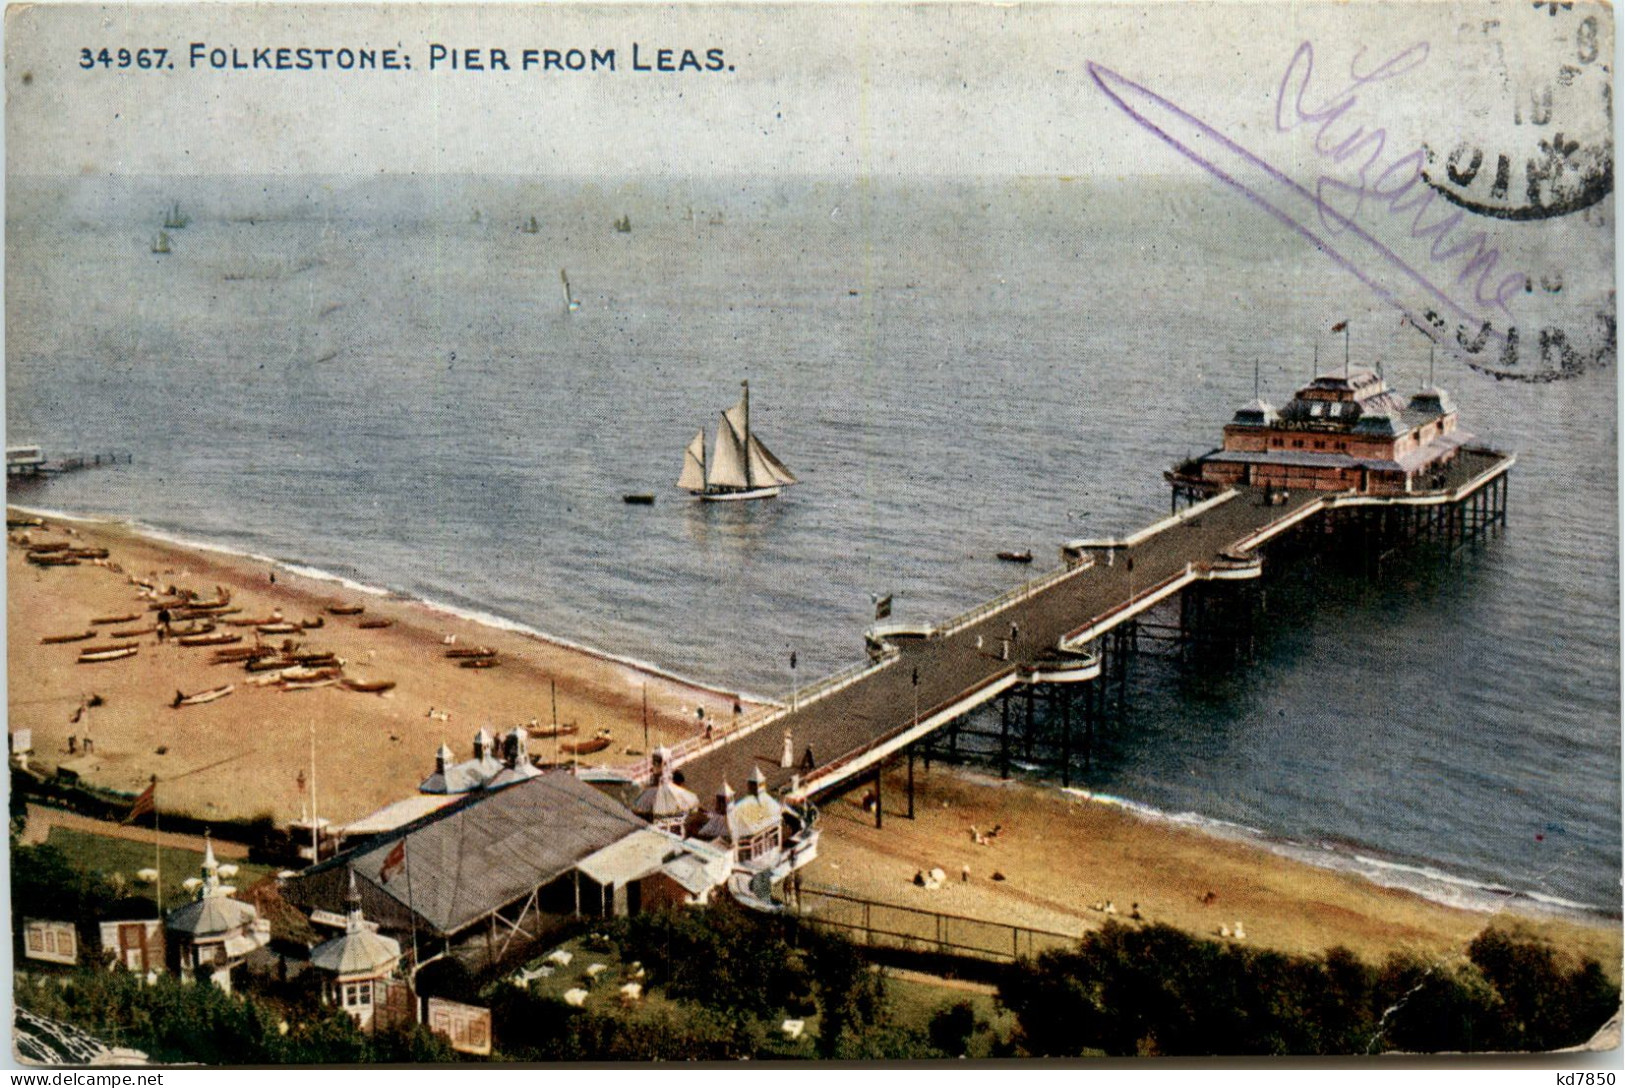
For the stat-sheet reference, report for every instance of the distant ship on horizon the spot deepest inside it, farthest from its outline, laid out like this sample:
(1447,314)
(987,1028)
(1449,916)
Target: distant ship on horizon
(741,466)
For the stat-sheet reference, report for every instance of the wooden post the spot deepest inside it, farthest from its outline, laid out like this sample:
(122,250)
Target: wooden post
(1004,736)
(911,781)
(1066,737)
(879,805)
(1027,726)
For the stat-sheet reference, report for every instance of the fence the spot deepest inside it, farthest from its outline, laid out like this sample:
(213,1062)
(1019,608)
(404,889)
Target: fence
(915,929)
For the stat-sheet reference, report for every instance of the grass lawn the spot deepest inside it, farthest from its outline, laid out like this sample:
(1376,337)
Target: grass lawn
(121,859)
(914,1001)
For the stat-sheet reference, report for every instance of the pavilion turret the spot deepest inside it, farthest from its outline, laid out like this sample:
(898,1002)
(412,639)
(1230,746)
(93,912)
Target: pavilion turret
(357,965)
(665,804)
(516,764)
(214,933)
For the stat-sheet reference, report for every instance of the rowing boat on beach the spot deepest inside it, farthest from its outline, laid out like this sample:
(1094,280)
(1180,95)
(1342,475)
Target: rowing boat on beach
(586,747)
(233,655)
(134,632)
(346,609)
(103,620)
(374,625)
(370,687)
(198,698)
(220,638)
(110,653)
(471,652)
(50,560)
(279,628)
(479,663)
(49,640)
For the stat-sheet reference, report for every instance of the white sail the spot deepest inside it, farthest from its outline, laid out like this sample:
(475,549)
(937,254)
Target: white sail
(764,467)
(693,477)
(727,467)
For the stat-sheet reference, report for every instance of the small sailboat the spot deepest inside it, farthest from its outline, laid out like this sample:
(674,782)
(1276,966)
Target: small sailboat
(160,244)
(624,224)
(530,226)
(741,466)
(176,219)
(571,304)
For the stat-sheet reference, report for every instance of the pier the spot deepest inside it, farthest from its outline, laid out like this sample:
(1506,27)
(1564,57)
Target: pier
(30,462)
(1064,635)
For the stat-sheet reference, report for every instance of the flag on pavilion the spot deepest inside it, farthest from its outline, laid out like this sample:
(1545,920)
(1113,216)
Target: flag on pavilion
(143,804)
(395,860)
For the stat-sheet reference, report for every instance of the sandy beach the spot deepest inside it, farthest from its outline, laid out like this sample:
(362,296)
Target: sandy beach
(242,755)
(1061,855)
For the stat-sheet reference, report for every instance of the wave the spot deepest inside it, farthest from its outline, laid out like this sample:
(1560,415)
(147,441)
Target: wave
(1437,885)
(305,570)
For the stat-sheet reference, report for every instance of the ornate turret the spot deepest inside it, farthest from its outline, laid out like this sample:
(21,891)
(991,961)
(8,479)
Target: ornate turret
(359,961)
(666,804)
(213,933)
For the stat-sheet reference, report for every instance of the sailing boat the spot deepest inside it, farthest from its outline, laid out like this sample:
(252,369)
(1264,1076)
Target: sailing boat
(624,224)
(741,467)
(571,304)
(175,220)
(160,244)
(531,226)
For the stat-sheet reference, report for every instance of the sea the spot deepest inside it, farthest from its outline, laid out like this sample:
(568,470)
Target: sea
(378,378)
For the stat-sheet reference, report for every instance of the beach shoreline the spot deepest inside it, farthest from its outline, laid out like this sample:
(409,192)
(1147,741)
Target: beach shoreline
(370,749)
(250,754)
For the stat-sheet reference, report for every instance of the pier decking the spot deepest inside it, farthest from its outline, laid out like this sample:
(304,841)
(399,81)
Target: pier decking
(1046,631)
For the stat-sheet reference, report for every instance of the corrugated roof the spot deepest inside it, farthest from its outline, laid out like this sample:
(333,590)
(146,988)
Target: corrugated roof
(632,858)
(398,814)
(468,861)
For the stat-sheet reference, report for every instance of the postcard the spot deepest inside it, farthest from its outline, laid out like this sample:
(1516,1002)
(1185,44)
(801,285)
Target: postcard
(868,532)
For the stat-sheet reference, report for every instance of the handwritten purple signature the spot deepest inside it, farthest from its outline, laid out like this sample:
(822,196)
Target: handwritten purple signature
(1353,185)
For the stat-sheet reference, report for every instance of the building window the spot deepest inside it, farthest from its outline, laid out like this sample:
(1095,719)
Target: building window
(1319,445)
(357,994)
(1297,443)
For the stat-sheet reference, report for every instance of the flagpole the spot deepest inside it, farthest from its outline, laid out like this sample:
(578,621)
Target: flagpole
(315,834)
(157,850)
(410,909)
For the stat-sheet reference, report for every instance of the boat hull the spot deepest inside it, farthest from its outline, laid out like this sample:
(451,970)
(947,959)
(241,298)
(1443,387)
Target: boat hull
(740,496)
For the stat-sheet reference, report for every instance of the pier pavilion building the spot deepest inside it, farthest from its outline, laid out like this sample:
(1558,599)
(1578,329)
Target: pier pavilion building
(1341,432)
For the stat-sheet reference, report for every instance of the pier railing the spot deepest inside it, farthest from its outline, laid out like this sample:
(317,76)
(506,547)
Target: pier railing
(918,929)
(1030,588)
(691,747)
